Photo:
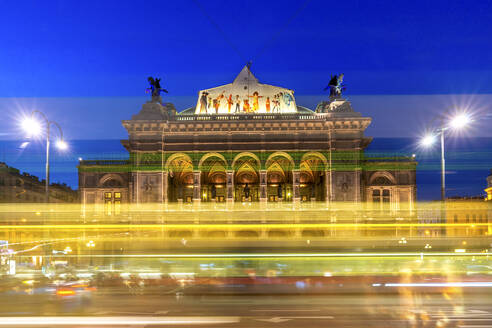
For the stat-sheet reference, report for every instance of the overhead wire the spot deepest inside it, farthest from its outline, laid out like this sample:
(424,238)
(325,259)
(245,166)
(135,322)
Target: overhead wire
(266,45)
(220,30)
(279,32)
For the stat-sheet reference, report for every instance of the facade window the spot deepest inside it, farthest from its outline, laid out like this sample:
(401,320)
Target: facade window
(376,196)
(386,196)
(468,218)
(381,197)
(455,218)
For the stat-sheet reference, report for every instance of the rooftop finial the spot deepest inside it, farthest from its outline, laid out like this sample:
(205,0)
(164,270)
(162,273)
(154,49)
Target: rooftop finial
(155,89)
(336,86)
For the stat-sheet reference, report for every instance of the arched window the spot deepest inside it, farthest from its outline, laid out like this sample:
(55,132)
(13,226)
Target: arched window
(382,181)
(111,183)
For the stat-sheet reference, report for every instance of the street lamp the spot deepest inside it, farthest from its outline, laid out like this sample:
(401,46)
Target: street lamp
(33,128)
(91,244)
(457,122)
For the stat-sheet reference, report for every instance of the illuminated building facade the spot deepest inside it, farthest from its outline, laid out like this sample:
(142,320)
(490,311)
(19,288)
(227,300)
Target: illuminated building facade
(488,190)
(248,142)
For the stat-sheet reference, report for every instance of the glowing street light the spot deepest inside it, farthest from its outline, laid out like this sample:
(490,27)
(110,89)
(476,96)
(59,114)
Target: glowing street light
(62,145)
(428,140)
(457,122)
(460,121)
(33,128)
(91,244)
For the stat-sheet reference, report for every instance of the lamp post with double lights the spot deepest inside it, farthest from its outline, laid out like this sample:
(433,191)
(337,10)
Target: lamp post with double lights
(33,128)
(458,122)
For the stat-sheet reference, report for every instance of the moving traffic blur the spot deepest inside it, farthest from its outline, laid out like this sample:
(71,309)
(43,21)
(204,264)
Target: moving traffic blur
(105,263)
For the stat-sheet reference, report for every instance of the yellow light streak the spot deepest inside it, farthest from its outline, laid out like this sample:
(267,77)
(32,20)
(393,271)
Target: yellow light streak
(284,255)
(237,226)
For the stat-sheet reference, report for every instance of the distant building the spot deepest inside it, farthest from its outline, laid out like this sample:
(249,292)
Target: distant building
(17,187)
(488,190)
(248,142)
(467,216)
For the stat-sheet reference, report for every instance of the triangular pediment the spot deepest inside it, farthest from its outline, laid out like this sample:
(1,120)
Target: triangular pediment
(245,76)
(305,166)
(217,167)
(246,167)
(275,167)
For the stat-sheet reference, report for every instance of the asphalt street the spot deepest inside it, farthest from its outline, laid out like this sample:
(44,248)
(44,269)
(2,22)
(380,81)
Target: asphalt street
(456,308)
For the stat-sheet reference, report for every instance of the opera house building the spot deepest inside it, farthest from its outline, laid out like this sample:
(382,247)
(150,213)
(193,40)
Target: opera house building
(248,142)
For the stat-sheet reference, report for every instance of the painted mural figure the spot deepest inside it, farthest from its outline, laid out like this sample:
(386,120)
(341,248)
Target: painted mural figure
(229,103)
(209,104)
(237,103)
(246,105)
(267,104)
(203,102)
(217,103)
(287,98)
(255,97)
(276,104)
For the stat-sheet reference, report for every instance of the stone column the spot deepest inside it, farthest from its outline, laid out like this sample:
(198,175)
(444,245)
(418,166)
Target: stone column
(165,179)
(296,197)
(263,186)
(196,187)
(357,177)
(230,186)
(328,196)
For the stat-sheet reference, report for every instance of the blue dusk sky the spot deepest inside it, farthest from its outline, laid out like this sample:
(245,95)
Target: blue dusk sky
(85,63)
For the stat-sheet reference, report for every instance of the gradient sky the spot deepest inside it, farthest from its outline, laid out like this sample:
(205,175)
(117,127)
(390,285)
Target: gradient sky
(78,61)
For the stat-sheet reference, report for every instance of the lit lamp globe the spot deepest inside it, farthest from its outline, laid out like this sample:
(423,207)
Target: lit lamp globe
(459,121)
(62,145)
(31,126)
(428,140)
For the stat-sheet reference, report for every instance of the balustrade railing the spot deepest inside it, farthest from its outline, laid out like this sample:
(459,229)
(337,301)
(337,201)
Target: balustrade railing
(246,117)
(105,162)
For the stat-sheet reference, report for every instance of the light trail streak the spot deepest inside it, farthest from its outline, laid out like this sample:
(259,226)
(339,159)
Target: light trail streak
(284,255)
(119,321)
(240,226)
(441,284)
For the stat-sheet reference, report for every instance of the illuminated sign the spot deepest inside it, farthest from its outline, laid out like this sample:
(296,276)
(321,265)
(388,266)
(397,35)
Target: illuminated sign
(245,95)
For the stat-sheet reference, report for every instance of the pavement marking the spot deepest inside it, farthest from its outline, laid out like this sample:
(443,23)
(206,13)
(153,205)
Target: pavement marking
(469,319)
(284,310)
(284,319)
(114,321)
(106,313)
(441,284)
(161,312)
